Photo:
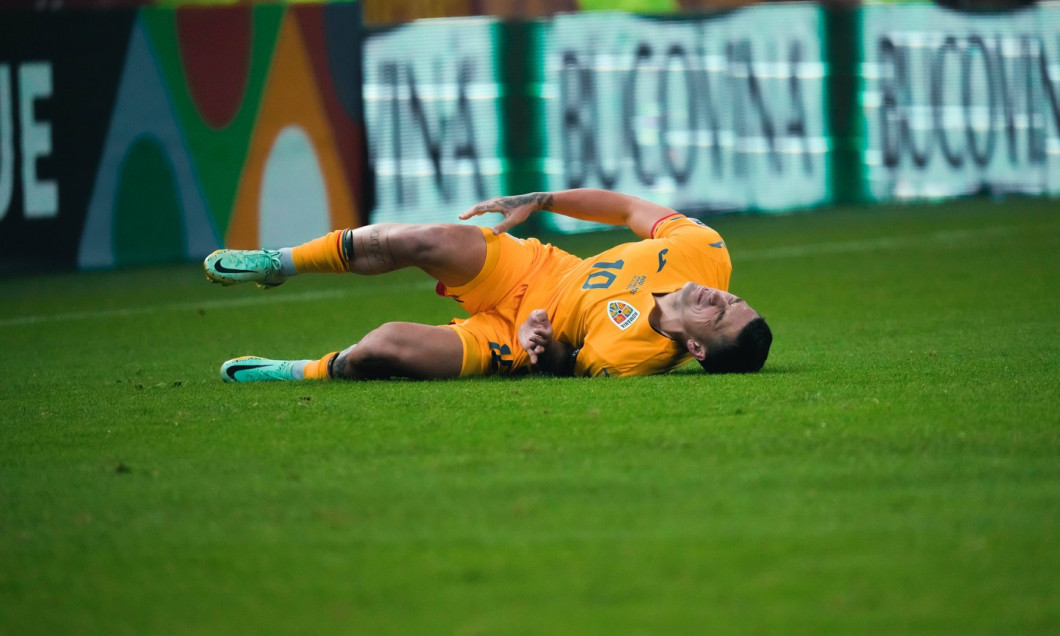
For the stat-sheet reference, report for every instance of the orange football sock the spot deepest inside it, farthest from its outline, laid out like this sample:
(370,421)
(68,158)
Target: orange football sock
(320,256)
(318,369)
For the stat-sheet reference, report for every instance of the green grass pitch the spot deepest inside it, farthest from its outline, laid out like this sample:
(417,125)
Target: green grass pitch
(894,470)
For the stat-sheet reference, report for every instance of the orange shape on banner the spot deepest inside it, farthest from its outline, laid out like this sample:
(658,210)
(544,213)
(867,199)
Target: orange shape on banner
(291,99)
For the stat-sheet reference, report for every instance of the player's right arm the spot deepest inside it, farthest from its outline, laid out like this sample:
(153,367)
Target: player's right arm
(587,204)
(547,355)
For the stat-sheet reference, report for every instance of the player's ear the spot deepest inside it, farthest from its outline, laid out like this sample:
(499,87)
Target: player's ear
(698,351)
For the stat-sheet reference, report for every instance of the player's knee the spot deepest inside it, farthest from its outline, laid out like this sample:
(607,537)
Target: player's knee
(381,353)
(416,242)
(433,243)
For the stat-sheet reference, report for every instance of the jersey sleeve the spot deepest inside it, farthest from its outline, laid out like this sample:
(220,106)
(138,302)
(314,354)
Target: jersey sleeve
(686,229)
(700,247)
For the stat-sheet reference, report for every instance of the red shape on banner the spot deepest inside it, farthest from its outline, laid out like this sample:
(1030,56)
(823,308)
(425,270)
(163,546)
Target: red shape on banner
(214,47)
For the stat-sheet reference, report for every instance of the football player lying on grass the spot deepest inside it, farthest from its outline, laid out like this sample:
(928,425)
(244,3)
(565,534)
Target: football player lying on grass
(638,308)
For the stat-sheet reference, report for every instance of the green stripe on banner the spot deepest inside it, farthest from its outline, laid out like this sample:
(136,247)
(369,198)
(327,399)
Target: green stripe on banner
(842,39)
(522,110)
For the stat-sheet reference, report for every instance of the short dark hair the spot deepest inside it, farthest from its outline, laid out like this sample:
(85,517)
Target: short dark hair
(746,354)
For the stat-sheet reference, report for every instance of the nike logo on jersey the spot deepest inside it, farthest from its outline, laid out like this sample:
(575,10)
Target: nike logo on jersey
(719,244)
(219,267)
(662,260)
(236,368)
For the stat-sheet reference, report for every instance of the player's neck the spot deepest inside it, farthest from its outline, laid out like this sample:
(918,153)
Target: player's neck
(664,317)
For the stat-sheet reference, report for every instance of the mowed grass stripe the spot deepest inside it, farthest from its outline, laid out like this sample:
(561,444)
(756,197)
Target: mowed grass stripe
(267,298)
(948,238)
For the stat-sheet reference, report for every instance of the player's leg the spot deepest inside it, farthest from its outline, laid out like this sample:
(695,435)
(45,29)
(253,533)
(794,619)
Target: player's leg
(450,253)
(396,349)
(402,349)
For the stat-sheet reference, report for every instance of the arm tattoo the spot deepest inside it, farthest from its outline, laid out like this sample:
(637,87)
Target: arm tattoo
(540,201)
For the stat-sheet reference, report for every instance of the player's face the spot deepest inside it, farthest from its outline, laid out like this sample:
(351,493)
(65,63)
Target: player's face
(711,316)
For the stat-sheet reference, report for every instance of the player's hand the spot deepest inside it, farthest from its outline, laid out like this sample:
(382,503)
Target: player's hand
(535,335)
(515,209)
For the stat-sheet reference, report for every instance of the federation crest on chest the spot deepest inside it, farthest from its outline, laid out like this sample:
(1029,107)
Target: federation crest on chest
(622,314)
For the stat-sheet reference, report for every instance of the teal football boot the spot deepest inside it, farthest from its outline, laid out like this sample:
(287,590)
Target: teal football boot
(255,369)
(231,267)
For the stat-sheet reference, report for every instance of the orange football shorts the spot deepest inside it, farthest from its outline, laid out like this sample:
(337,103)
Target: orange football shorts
(518,276)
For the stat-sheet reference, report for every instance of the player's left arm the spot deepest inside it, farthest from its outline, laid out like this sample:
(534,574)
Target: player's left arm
(587,204)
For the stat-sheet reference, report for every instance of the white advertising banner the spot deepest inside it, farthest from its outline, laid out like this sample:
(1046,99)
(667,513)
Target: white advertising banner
(959,103)
(708,114)
(431,98)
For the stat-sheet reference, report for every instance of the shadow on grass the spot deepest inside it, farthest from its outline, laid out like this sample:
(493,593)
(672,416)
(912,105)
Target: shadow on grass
(769,369)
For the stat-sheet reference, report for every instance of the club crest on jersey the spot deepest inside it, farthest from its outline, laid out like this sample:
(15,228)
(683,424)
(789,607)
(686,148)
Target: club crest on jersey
(622,313)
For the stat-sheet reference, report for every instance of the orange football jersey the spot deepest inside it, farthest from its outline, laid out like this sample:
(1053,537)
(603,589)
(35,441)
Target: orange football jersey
(602,305)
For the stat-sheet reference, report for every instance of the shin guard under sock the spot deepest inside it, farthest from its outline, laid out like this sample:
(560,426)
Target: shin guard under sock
(320,369)
(328,254)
